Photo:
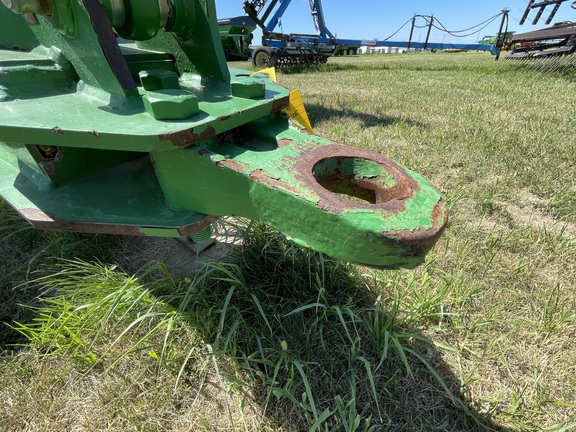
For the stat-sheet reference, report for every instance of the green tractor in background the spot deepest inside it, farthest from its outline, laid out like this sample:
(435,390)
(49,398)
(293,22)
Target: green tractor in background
(491,40)
(236,35)
(343,50)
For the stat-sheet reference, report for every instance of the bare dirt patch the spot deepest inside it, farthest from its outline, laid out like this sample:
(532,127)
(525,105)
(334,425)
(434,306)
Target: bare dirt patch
(527,211)
(179,255)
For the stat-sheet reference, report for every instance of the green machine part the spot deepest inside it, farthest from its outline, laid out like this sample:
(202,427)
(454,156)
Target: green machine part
(121,116)
(236,35)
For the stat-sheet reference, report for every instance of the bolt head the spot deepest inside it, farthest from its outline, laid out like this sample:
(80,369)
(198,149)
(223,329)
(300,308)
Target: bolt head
(170,104)
(248,89)
(159,79)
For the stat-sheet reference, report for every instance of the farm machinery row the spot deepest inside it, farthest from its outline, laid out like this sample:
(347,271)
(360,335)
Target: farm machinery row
(282,49)
(550,47)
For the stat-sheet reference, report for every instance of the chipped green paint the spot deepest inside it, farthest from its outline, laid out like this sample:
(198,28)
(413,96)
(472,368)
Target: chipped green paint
(158,137)
(268,183)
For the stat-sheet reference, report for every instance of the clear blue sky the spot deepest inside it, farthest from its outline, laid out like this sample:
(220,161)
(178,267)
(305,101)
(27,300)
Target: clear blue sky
(370,19)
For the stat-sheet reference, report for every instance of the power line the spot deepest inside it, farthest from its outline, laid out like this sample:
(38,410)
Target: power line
(476,28)
(403,25)
(437,24)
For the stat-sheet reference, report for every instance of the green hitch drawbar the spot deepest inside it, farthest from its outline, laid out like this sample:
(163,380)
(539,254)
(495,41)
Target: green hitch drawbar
(121,116)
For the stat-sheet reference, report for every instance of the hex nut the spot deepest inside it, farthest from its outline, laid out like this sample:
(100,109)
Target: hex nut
(170,104)
(248,89)
(159,79)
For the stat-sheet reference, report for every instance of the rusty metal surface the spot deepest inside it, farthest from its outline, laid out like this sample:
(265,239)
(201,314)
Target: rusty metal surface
(347,202)
(387,199)
(48,222)
(425,238)
(184,138)
(280,104)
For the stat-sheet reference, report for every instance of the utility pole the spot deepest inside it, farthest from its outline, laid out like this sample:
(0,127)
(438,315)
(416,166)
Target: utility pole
(429,30)
(411,32)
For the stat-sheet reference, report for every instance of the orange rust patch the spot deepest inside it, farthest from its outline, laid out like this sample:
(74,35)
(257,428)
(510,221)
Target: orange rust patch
(232,164)
(422,238)
(285,142)
(45,221)
(389,200)
(260,176)
(185,138)
(280,104)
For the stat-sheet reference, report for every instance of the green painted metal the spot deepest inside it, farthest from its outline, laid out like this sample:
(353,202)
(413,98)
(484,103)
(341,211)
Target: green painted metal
(248,88)
(158,137)
(159,79)
(330,197)
(20,35)
(170,104)
(202,236)
(236,35)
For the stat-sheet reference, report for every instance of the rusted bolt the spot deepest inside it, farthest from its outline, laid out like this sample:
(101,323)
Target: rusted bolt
(248,89)
(159,79)
(170,104)
(43,7)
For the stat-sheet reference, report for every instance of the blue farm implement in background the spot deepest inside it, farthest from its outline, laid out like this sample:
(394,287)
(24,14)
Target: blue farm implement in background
(281,49)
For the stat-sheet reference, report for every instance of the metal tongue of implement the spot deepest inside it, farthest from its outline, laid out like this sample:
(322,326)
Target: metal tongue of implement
(122,117)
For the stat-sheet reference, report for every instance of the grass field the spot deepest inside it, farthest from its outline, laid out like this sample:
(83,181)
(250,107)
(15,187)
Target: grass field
(480,337)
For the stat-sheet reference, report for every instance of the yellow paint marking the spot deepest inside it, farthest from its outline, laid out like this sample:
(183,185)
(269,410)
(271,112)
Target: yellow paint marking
(271,72)
(297,111)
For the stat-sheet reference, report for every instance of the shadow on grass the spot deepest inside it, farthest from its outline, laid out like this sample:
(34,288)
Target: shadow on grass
(24,250)
(329,67)
(314,342)
(316,336)
(320,113)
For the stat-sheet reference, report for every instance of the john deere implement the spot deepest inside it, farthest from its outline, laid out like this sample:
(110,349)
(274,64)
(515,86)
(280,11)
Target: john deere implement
(120,116)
